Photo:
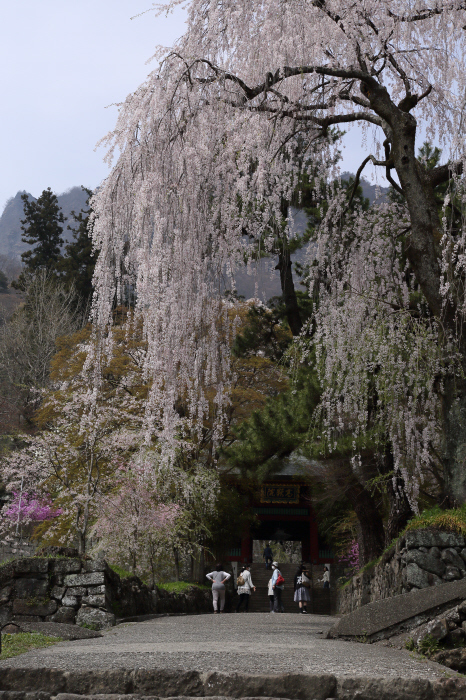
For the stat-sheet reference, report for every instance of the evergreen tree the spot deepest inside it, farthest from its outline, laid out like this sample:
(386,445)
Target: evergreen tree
(42,229)
(276,430)
(77,265)
(3,283)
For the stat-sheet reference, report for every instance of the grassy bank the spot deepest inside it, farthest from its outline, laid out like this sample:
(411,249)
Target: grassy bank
(16,644)
(452,520)
(180,586)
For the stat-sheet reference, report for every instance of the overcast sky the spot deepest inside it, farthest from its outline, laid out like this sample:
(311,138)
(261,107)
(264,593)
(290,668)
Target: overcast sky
(63,62)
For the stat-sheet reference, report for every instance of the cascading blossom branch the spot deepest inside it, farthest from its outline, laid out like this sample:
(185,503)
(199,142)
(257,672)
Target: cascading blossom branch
(194,175)
(211,147)
(380,356)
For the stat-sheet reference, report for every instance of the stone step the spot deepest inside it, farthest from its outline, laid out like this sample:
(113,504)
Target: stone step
(141,683)
(259,602)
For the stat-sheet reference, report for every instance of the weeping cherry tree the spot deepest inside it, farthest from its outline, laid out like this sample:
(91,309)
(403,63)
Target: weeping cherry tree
(214,144)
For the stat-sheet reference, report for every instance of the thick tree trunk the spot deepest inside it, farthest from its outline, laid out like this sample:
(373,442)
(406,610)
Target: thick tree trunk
(191,568)
(424,253)
(372,531)
(423,250)
(454,441)
(177,563)
(400,509)
(288,291)
(372,540)
(400,513)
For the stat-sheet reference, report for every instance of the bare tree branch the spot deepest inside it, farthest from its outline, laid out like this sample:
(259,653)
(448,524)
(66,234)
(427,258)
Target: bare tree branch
(443,173)
(427,13)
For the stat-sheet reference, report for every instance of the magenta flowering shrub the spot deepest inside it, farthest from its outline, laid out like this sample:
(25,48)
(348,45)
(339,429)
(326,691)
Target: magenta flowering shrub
(29,507)
(350,559)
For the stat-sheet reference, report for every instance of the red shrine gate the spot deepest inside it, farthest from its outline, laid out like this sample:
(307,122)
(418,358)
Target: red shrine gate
(284,512)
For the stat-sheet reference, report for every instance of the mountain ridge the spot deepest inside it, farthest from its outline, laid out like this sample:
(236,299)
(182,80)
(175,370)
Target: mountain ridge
(265,281)
(11,244)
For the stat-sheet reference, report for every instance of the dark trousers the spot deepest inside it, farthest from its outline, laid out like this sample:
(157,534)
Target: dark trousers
(243,597)
(271,599)
(268,562)
(277,600)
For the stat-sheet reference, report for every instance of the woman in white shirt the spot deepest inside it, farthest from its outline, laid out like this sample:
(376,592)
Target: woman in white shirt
(270,593)
(326,576)
(244,589)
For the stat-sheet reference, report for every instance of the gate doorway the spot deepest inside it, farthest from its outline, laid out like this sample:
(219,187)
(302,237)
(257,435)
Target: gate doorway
(284,551)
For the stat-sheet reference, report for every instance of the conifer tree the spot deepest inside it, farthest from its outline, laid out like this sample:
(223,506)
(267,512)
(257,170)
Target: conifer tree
(3,283)
(77,264)
(42,229)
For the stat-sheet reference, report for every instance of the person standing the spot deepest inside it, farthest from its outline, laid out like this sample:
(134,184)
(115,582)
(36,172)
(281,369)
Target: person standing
(245,585)
(326,576)
(301,589)
(268,556)
(218,578)
(277,588)
(270,593)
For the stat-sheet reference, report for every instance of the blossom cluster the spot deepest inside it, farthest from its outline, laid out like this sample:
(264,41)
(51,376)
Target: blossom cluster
(25,508)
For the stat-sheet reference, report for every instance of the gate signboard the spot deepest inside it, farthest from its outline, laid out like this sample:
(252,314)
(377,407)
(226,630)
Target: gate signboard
(280,493)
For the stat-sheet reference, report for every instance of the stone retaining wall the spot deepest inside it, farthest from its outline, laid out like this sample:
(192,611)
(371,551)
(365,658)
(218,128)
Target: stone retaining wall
(14,549)
(83,592)
(420,559)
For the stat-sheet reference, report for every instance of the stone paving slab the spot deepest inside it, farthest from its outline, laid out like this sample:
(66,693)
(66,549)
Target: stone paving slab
(254,643)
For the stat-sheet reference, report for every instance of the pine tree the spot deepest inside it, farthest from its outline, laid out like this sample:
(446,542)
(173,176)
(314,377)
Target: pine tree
(3,283)
(276,430)
(42,230)
(77,265)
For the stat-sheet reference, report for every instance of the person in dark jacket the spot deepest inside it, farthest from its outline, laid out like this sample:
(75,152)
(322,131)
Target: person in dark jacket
(301,589)
(268,556)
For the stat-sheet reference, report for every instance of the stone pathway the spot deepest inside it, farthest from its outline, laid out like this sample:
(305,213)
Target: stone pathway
(253,643)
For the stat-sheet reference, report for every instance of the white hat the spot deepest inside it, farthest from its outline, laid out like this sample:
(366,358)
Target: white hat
(275,564)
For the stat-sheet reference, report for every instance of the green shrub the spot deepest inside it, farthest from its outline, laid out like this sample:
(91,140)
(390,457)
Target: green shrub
(410,644)
(428,645)
(90,626)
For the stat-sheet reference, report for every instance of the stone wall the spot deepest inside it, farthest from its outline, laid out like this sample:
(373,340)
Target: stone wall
(16,548)
(84,592)
(420,559)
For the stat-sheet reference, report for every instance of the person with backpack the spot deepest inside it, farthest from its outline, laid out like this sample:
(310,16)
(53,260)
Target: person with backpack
(302,585)
(245,585)
(218,578)
(278,583)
